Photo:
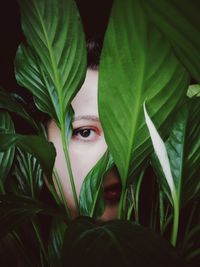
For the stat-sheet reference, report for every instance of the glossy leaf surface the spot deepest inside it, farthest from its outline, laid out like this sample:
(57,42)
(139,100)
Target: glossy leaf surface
(38,146)
(137,64)
(6,157)
(181,25)
(53,66)
(91,194)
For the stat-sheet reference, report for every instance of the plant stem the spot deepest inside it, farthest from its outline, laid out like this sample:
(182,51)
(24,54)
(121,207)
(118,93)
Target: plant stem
(35,226)
(67,158)
(175,221)
(2,190)
(121,203)
(61,193)
(161,211)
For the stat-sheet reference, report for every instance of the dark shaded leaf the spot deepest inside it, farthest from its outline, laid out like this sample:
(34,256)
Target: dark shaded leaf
(37,146)
(29,174)
(6,157)
(15,210)
(10,103)
(115,243)
(56,239)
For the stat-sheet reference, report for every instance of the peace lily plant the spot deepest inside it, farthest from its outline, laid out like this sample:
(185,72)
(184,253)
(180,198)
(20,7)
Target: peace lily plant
(150,118)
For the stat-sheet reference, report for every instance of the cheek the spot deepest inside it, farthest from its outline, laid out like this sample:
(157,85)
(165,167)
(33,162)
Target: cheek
(84,156)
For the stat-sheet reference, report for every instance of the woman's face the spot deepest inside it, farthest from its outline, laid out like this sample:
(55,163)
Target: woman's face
(86,147)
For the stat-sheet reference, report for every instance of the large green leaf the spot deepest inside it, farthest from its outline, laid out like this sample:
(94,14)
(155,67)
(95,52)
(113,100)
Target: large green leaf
(54,65)
(10,103)
(180,22)
(38,146)
(28,173)
(137,64)
(115,243)
(91,194)
(6,157)
(183,148)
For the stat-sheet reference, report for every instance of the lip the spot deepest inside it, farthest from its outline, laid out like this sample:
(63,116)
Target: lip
(112,192)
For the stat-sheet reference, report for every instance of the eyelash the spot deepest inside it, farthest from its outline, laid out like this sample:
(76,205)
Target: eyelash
(76,134)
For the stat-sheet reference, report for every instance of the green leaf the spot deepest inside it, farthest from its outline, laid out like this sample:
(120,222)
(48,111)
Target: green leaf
(181,25)
(10,103)
(37,146)
(56,239)
(193,90)
(53,66)
(6,157)
(137,64)
(183,149)
(91,195)
(115,243)
(15,210)
(29,174)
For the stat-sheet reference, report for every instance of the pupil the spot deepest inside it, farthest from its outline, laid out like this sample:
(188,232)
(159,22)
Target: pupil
(85,133)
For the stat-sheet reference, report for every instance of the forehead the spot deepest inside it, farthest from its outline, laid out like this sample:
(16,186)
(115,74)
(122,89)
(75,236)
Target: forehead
(85,102)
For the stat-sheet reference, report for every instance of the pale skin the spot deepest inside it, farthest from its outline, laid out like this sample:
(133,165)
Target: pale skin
(86,146)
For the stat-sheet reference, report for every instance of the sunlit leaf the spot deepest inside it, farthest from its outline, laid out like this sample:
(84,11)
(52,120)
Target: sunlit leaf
(193,90)
(137,64)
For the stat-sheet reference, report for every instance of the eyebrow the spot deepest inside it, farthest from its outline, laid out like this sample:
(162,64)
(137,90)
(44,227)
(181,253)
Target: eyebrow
(86,117)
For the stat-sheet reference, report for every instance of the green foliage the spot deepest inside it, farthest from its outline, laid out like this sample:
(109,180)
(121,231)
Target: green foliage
(148,58)
(40,148)
(91,195)
(129,75)
(115,243)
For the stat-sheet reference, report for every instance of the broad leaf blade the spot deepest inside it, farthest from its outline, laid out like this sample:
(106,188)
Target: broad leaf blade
(6,157)
(38,146)
(91,195)
(55,36)
(137,63)
(181,25)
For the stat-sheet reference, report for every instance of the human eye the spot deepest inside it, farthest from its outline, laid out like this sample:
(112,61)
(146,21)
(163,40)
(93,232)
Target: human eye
(86,134)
